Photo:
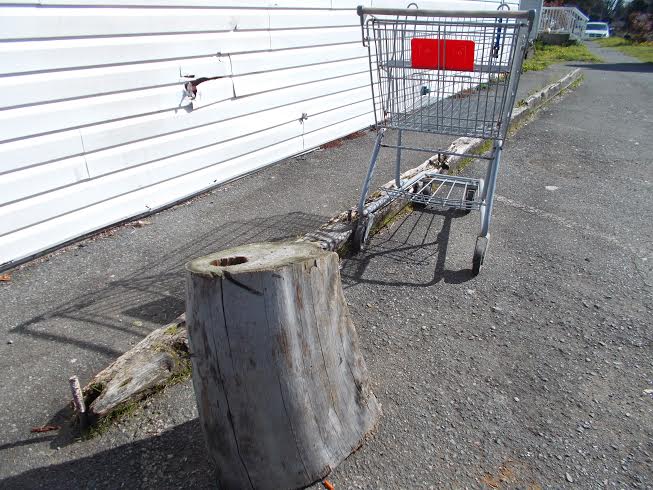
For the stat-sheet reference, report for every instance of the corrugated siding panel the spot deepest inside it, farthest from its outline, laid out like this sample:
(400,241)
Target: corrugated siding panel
(67,227)
(39,150)
(44,87)
(68,54)
(246,63)
(40,179)
(141,128)
(45,118)
(268,81)
(96,125)
(37,23)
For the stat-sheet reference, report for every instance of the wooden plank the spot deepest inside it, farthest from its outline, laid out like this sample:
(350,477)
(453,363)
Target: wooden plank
(34,239)
(32,120)
(246,63)
(40,56)
(27,152)
(140,128)
(268,81)
(52,87)
(35,180)
(56,203)
(18,23)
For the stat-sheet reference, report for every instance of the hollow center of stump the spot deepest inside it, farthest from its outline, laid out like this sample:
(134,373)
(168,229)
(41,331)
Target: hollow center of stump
(227,261)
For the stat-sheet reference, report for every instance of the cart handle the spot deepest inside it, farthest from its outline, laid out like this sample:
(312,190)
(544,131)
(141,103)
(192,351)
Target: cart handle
(476,14)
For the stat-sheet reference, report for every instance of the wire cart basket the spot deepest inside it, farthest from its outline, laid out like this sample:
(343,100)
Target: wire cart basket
(443,72)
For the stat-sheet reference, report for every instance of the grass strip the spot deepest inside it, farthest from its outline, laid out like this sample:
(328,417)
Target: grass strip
(546,55)
(642,51)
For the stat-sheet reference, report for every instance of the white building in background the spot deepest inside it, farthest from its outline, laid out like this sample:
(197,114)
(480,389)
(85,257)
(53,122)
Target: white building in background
(96,125)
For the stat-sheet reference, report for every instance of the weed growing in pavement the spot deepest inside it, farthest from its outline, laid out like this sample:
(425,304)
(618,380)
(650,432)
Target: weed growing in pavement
(123,411)
(465,162)
(575,84)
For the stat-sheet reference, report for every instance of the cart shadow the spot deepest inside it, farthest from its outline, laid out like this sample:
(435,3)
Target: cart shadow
(409,242)
(154,294)
(175,459)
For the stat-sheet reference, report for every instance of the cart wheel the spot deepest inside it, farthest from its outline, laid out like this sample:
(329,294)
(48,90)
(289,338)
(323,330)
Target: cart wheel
(479,255)
(425,190)
(360,235)
(469,196)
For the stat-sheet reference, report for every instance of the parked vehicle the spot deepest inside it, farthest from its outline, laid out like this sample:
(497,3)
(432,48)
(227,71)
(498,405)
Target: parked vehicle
(595,30)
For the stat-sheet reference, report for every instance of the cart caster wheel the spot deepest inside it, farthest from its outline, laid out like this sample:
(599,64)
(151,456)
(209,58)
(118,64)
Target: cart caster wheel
(479,255)
(360,235)
(424,190)
(469,196)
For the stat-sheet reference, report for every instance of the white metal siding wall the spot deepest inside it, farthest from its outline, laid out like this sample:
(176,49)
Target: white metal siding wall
(95,126)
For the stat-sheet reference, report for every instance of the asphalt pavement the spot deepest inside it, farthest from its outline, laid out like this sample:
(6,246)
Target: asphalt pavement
(535,373)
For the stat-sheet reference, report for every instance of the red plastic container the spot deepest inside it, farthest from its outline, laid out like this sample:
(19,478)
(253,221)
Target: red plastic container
(438,54)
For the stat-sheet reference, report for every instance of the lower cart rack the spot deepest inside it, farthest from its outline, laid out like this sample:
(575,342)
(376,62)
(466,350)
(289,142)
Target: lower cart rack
(433,190)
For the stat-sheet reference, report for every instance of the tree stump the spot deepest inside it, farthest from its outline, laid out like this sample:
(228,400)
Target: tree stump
(281,386)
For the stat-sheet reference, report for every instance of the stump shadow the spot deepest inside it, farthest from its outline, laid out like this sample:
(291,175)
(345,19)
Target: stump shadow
(175,459)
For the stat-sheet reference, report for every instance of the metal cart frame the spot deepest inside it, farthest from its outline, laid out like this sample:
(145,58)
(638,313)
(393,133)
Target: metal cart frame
(443,72)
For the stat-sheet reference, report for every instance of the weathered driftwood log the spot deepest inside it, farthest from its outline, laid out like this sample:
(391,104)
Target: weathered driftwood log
(151,363)
(281,386)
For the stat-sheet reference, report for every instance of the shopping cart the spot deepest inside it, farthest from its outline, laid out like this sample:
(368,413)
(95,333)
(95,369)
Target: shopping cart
(443,72)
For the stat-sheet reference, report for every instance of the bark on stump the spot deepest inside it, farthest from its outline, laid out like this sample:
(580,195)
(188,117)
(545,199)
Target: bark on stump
(281,386)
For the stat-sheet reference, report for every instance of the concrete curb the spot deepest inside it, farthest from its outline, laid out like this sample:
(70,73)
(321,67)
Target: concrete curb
(535,101)
(335,234)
